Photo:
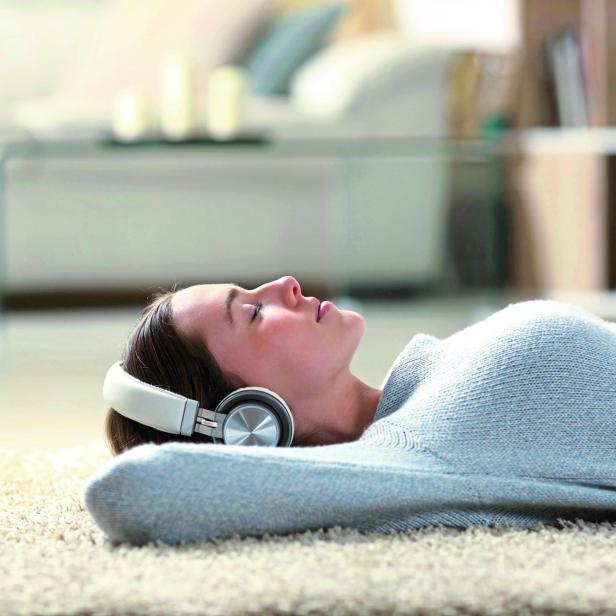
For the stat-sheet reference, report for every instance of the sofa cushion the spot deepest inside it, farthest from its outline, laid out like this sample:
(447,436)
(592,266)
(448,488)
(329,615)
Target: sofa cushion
(289,42)
(368,72)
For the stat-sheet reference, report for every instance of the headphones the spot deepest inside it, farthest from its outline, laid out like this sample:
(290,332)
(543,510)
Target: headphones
(247,416)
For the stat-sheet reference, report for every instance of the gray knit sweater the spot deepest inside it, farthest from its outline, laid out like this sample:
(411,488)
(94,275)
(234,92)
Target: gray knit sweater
(508,422)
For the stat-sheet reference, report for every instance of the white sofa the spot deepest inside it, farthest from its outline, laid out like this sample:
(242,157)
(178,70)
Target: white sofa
(129,222)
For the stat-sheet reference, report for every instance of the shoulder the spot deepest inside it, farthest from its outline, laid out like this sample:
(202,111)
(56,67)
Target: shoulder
(536,315)
(550,317)
(530,336)
(547,308)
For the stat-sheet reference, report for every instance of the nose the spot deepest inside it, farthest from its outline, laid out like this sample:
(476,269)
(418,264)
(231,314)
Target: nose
(287,288)
(291,291)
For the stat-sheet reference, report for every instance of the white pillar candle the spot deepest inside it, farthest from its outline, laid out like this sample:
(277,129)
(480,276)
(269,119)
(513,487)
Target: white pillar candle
(132,119)
(226,99)
(178,97)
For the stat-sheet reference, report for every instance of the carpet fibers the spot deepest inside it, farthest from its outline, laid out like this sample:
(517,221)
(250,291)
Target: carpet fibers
(54,560)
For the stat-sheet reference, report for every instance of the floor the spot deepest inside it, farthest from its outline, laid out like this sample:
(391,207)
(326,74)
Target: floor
(52,364)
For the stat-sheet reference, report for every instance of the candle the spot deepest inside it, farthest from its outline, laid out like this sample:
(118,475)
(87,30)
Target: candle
(131,120)
(226,94)
(178,97)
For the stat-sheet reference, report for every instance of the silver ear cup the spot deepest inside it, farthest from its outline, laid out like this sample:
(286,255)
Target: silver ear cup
(255,416)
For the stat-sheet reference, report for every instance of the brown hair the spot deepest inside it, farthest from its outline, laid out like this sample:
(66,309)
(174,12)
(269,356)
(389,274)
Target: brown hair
(156,354)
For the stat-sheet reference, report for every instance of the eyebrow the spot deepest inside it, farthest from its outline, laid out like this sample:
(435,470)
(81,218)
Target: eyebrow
(231,295)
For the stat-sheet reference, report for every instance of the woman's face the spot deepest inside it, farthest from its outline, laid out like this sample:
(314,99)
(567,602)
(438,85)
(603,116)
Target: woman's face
(284,348)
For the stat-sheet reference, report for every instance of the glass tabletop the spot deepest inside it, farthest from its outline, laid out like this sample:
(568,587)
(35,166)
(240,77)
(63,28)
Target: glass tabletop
(258,143)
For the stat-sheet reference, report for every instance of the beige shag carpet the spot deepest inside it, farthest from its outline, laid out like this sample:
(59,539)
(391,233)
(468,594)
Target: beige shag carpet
(54,560)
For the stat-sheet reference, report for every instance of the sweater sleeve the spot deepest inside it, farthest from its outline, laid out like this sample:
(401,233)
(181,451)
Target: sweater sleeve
(184,492)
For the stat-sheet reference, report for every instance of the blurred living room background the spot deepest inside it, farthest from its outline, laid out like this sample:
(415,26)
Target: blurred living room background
(425,162)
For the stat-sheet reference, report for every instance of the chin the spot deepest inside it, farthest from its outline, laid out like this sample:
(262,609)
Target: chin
(359,325)
(358,317)
(354,325)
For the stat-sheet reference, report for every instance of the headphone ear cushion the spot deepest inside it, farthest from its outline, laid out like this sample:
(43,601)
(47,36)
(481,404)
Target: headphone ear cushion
(267,403)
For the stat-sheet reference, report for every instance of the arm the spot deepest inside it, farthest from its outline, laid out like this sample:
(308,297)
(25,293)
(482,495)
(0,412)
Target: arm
(181,492)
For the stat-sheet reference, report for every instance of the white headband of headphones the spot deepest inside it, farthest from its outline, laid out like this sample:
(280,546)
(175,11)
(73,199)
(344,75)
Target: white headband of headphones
(148,404)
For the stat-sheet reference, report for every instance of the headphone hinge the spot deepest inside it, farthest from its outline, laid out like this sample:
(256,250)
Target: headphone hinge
(209,422)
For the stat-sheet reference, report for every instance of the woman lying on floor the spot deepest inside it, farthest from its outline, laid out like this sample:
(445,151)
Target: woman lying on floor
(508,422)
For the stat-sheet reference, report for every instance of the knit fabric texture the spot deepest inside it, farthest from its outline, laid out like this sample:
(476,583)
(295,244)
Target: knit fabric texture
(508,422)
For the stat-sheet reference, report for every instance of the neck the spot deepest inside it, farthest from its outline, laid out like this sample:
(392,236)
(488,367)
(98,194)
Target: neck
(368,401)
(344,412)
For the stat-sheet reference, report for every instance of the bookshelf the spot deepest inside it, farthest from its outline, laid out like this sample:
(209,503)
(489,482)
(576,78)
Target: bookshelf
(562,219)
(562,178)
(540,22)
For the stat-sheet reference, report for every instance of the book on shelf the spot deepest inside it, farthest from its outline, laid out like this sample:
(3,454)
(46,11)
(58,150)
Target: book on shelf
(567,78)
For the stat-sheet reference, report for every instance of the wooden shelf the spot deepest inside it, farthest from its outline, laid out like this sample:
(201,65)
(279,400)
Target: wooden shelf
(539,20)
(601,141)
(563,180)
(563,210)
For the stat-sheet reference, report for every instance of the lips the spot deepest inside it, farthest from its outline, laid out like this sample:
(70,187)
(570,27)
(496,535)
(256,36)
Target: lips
(318,309)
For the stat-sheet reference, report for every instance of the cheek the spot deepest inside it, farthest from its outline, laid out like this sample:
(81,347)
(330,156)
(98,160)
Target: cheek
(276,328)
(229,361)
(288,340)
(230,354)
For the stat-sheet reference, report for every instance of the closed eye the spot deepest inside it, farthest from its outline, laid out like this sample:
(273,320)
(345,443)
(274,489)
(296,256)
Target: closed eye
(258,307)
